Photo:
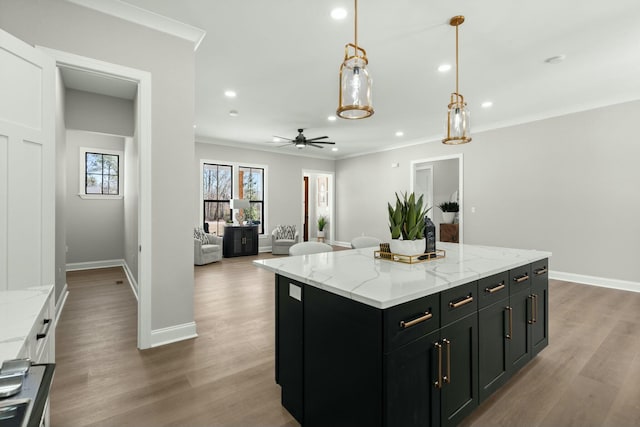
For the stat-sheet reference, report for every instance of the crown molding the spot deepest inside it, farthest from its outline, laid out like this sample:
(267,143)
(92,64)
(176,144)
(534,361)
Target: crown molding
(137,15)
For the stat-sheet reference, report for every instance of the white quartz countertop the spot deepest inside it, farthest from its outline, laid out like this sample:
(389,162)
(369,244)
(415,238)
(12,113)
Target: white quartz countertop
(19,309)
(380,283)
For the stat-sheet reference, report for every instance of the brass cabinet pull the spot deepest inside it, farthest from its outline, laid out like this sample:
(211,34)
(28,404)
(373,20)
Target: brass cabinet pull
(521,279)
(462,302)
(541,270)
(510,333)
(447,377)
(535,308)
(438,382)
(427,315)
(496,288)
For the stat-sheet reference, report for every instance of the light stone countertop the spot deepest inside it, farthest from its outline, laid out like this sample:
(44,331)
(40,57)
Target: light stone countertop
(19,309)
(380,283)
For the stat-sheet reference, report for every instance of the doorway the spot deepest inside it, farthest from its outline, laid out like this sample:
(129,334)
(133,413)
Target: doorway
(318,200)
(142,133)
(440,179)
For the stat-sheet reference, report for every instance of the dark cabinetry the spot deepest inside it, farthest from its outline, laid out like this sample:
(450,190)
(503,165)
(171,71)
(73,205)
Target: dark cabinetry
(427,362)
(240,240)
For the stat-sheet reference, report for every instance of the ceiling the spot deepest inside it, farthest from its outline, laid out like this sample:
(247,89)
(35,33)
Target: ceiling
(282,58)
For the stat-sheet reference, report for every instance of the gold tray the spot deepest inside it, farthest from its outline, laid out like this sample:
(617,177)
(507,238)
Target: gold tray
(410,259)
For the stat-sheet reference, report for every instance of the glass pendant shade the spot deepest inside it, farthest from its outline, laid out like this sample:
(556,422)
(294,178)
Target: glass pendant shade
(458,127)
(355,85)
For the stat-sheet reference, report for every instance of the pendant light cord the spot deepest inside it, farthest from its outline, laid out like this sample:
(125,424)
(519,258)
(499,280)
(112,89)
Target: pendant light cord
(356,25)
(457,25)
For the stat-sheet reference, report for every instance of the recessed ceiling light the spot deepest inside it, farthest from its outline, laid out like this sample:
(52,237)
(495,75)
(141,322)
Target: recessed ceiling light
(444,68)
(234,113)
(487,104)
(331,118)
(194,126)
(555,59)
(230,94)
(334,149)
(339,13)
(399,133)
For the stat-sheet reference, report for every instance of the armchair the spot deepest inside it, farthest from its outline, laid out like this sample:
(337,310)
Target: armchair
(282,238)
(207,248)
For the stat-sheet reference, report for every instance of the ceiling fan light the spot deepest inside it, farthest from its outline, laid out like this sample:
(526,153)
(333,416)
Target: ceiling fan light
(300,144)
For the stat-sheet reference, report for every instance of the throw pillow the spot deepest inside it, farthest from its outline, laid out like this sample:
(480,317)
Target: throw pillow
(286,232)
(198,233)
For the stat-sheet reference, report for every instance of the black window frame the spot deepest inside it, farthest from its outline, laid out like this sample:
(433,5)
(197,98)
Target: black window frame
(102,174)
(260,201)
(218,201)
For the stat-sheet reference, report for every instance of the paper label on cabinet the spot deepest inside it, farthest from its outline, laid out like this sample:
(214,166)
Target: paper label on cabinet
(295,292)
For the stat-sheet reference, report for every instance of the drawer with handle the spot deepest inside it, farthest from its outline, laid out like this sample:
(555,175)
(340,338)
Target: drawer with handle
(540,269)
(519,279)
(411,320)
(492,289)
(458,302)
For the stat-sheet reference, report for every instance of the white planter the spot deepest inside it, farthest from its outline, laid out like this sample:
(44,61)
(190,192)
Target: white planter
(321,234)
(407,247)
(448,217)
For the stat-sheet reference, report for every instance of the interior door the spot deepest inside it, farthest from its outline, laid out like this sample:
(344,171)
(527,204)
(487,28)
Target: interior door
(27,162)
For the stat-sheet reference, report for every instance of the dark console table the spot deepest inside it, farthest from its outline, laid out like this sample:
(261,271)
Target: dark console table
(240,240)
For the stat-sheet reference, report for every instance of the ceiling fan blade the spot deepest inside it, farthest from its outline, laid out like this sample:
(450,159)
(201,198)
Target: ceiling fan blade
(317,138)
(313,144)
(282,137)
(324,142)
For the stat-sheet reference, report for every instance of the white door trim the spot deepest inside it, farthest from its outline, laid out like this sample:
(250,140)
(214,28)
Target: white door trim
(143,129)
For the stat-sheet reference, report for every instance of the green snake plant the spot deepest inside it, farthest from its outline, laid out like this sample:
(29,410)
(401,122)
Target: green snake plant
(407,218)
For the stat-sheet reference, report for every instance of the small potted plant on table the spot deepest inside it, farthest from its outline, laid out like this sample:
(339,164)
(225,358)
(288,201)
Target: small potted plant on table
(406,220)
(449,210)
(322,222)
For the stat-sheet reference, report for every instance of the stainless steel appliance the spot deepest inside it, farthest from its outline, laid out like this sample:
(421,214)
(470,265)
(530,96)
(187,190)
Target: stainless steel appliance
(25,408)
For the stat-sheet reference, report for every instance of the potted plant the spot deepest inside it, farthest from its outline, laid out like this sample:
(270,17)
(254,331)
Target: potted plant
(406,221)
(322,222)
(449,210)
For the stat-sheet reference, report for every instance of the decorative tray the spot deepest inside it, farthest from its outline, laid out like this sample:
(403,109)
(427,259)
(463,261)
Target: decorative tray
(410,259)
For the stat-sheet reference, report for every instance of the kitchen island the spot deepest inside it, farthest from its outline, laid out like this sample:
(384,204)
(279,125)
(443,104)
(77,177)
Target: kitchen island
(372,342)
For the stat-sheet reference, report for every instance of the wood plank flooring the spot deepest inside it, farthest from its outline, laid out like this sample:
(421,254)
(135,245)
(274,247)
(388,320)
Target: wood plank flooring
(588,376)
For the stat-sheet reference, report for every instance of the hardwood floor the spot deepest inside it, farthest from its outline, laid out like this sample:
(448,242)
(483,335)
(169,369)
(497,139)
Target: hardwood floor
(588,376)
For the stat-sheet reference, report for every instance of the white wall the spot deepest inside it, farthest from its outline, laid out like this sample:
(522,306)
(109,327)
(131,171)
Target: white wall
(95,228)
(131,206)
(99,113)
(567,185)
(284,192)
(71,28)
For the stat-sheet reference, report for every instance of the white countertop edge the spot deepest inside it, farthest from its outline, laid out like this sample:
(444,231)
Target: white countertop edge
(536,255)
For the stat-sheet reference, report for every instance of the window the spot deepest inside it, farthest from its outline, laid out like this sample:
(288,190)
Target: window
(223,181)
(217,184)
(253,190)
(100,173)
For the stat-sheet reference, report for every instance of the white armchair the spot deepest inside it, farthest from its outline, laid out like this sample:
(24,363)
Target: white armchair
(207,248)
(281,242)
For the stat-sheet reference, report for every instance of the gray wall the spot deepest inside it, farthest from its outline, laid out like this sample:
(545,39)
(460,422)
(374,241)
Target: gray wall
(99,113)
(284,203)
(567,185)
(61,189)
(95,228)
(171,61)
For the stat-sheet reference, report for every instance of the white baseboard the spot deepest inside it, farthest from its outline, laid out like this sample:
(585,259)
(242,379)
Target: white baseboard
(262,249)
(61,302)
(131,279)
(95,264)
(173,334)
(624,285)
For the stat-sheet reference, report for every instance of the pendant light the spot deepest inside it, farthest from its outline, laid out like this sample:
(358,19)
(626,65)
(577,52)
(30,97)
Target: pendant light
(355,82)
(458,123)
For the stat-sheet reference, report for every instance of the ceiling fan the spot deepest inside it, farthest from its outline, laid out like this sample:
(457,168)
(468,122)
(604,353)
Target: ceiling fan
(301,141)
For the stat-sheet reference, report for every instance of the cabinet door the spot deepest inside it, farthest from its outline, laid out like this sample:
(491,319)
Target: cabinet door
(540,309)
(289,345)
(411,396)
(520,342)
(492,348)
(459,394)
